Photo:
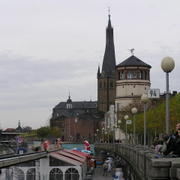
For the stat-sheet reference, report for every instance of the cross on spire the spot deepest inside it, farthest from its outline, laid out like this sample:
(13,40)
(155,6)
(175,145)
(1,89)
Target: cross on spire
(109,12)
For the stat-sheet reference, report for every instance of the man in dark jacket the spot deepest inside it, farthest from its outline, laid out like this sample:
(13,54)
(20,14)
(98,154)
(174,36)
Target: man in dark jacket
(173,143)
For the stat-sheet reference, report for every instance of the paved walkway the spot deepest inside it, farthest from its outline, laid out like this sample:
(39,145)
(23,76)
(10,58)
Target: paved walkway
(98,174)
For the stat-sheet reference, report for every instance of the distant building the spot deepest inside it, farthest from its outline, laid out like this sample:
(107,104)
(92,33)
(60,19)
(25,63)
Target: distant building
(133,80)
(76,119)
(106,79)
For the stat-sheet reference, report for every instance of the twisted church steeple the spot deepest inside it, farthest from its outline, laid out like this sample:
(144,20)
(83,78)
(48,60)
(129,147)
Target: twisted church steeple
(109,61)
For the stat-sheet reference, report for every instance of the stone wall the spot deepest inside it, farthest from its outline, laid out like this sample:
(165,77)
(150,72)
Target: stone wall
(144,163)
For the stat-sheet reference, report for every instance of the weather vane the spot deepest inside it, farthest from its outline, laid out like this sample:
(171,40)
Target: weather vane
(132,51)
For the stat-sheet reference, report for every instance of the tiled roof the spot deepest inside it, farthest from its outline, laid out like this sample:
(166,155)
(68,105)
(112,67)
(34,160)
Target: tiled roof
(78,105)
(109,61)
(133,61)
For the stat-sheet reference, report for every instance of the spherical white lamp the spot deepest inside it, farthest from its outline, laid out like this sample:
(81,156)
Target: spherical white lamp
(126,117)
(144,98)
(167,64)
(119,121)
(134,110)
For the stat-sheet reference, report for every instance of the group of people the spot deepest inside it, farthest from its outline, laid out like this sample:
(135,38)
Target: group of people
(107,166)
(46,144)
(111,167)
(168,145)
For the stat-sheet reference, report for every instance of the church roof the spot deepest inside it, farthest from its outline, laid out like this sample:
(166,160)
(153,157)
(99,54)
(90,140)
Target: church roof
(133,61)
(109,61)
(78,105)
(78,108)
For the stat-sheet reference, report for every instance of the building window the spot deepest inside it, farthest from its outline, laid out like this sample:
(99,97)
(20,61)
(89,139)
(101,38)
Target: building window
(31,174)
(56,173)
(131,75)
(134,86)
(122,75)
(132,94)
(104,84)
(71,174)
(111,84)
(139,75)
(100,85)
(69,106)
(145,88)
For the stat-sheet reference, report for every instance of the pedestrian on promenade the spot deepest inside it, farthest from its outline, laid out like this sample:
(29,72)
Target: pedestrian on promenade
(46,145)
(118,174)
(173,143)
(105,168)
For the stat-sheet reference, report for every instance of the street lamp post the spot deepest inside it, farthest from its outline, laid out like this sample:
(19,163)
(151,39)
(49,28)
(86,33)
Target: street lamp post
(97,130)
(75,124)
(108,133)
(144,99)
(126,118)
(114,131)
(167,65)
(119,122)
(134,111)
(103,135)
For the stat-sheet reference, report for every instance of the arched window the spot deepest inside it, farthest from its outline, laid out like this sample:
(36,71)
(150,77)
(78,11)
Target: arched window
(71,174)
(19,174)
(111,84)
(31,174)
(55,174)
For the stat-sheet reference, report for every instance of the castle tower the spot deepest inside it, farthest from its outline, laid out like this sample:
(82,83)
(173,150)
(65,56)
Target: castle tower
(106,78)
(133,80)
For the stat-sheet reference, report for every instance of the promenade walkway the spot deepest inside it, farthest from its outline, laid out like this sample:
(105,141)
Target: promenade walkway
(98,174)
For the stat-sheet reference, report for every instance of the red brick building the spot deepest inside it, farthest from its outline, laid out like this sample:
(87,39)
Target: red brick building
(77,120)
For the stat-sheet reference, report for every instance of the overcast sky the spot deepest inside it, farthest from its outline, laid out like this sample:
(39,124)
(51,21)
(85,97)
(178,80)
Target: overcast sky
(51,47)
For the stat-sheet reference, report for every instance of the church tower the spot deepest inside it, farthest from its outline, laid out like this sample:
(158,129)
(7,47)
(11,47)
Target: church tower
(106,90)
(133,80)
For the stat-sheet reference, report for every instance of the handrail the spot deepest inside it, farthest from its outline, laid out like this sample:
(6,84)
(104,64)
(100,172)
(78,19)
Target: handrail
(144,162)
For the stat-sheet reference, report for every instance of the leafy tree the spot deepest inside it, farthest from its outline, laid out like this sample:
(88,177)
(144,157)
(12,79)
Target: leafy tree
(43,132)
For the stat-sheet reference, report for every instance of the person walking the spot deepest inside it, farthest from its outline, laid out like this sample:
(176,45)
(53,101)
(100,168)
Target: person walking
(173,143)
(105,168)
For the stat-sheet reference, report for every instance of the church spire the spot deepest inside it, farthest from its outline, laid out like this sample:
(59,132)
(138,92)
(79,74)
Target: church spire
(109,15)
(109,62)
(98,72)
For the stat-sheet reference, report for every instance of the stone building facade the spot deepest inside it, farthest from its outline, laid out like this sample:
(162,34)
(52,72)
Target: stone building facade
(77,120)
(133,80)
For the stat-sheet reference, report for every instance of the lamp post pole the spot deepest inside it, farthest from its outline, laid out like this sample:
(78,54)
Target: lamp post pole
(134,111)
(126,118)
(108,133)
(103,135)
(144,99)
(167,65)
(119,122)
(75,124)
(97,132)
